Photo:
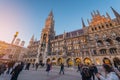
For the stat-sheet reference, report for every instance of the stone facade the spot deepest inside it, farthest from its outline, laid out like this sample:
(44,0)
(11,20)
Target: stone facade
(12,52)
(96,43)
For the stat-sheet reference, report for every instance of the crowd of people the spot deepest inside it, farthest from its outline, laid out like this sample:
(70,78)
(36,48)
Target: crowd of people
(87,72)
(11,68)
(90,71)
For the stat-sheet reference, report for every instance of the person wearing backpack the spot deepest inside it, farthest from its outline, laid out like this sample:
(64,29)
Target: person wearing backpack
(92,71)
(86,74)
(110,74)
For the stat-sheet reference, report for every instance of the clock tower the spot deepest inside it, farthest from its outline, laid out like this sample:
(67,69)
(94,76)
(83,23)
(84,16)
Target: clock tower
(47,34)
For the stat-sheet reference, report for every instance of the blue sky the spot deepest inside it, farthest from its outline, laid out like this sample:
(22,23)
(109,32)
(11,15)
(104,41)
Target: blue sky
(28,16)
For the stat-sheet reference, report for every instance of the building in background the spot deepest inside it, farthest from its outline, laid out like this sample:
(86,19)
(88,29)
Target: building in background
(3,46)
(13,51)
(32,50)
(98,43)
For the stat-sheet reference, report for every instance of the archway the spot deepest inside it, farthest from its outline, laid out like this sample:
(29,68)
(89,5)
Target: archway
(48,60)
(103,51)
(113,50)
(69,62)
(109,41)
(87,61)
(30,60)
(59,61)
(54,61)
(77,61)
(34,60)
(118,39)
(107,61)
(27,60)
(99,43)
(98,61)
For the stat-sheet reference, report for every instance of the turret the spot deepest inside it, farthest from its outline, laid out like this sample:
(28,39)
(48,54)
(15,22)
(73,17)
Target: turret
(17,41)
(22,43)
(115,13)
(98,13)
(92,15)
(108,15)
(31,40)
(64,35)
(88,21)
(83,24)
(50,21)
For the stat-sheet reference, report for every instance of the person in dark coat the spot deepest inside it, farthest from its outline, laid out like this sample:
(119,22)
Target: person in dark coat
(78,68)
(86,74)
(27,66)
(92,70)
(2,68)
(15,72)
(62,68)
(48,68)
(36,66)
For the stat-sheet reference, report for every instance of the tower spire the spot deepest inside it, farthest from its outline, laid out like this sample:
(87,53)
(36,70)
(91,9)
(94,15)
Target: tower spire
(108,15)
(92,14)
(98,12)
(115,13)
(51,13)
(83,24)
(88,21)
(32,39)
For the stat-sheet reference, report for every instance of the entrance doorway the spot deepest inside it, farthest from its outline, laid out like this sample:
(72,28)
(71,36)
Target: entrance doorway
(107,61)
(87,61)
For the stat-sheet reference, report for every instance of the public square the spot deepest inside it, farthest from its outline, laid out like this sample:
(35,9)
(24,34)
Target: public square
(41,74)
(78,37)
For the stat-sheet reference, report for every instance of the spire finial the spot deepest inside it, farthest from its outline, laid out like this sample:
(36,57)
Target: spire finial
(32,37)
(92,14)
(83,24)
(108,15)
(88,21)
(115,13)
(98,12)
(51,13)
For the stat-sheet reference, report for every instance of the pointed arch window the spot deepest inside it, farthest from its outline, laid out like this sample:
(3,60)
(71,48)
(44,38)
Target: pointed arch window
(103,51)
(113,34)
(96,36)
(104,36)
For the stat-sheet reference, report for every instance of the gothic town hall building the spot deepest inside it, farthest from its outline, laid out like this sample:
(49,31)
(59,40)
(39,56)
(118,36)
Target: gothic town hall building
(98,43)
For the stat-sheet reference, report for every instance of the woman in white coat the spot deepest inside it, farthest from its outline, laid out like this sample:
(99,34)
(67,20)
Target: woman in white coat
(109,73)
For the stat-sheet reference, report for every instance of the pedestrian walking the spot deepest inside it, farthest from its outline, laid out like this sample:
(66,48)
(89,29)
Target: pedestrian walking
(92,71)
(27,66)
(78,68)
(2,68)
(36,66)
(15,72)
(61,68)
(48,68)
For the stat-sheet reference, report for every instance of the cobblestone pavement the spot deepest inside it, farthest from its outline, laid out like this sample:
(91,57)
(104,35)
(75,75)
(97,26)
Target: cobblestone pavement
(40,74)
